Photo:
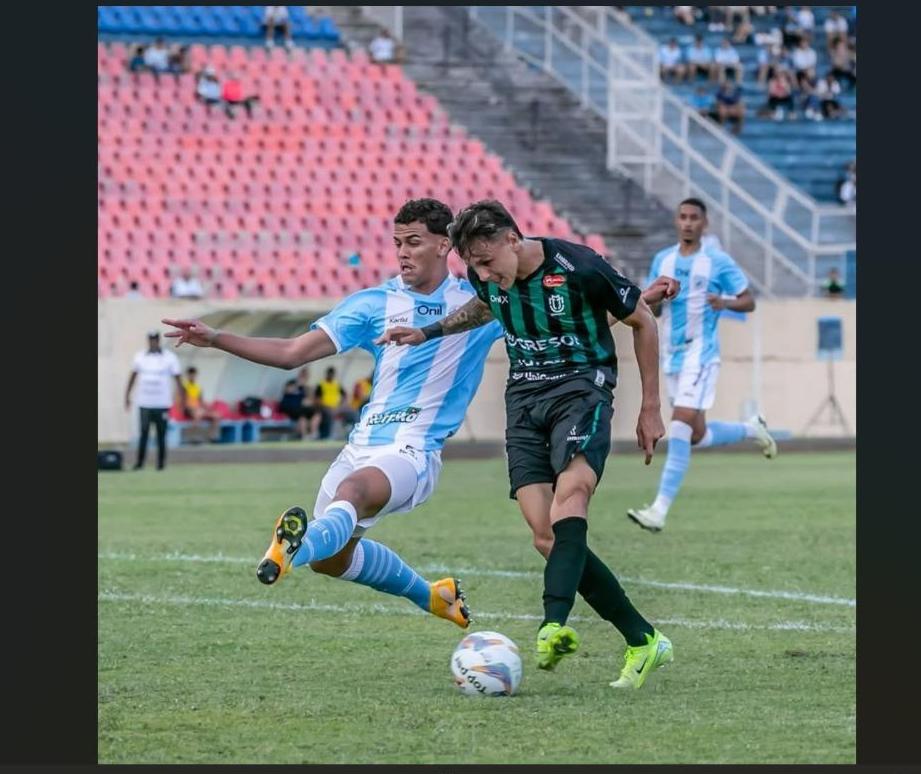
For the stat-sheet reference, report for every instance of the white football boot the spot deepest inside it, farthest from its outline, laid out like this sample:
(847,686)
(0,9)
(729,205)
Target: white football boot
(650,517)
(762,437)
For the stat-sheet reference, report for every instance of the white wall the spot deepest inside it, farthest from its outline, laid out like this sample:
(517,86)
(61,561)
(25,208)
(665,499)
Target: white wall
(792,385)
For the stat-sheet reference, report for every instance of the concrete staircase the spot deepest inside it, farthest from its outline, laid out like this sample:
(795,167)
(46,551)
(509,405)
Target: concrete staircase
(553,147)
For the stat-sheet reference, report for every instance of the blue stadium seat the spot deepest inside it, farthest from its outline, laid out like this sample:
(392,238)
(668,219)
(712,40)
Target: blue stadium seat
(208,21)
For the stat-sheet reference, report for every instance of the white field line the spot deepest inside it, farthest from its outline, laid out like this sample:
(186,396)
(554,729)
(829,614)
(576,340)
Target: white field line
(312,606)
(795,596)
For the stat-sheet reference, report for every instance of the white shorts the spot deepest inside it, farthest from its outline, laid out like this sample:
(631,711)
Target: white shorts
(412,474)
(694,389)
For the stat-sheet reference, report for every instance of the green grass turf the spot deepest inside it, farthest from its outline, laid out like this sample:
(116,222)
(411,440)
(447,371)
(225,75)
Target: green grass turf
(186,673)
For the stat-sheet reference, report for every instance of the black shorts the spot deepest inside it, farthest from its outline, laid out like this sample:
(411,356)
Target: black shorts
(545,429)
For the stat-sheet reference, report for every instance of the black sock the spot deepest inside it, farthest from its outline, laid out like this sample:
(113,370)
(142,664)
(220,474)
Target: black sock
(600,588)
(564,568)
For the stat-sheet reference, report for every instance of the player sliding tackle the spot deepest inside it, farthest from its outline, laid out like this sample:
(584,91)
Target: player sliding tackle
(392,460)
(553,299)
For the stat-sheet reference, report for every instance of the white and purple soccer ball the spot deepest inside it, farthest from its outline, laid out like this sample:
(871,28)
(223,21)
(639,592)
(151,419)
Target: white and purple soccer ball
(486,664)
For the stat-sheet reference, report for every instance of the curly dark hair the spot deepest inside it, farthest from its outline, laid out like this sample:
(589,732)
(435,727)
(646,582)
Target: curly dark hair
(484,219)
(434,214)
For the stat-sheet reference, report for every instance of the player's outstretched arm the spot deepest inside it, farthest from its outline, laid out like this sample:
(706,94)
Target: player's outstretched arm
(649,427)
(471,315)
(280,353)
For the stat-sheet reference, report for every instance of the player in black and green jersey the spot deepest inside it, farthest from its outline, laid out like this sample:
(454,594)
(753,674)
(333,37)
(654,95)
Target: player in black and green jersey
(556,300)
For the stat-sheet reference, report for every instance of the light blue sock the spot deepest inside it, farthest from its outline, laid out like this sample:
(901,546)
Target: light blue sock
(723,433)
(377,566)
(328,534)
(676,464)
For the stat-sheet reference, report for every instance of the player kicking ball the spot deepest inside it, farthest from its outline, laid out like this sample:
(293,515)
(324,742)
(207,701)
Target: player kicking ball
(392,460)
(553,298)
(691,354)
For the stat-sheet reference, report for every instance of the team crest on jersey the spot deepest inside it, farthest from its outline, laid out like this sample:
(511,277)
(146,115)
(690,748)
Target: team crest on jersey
(557,304)
(554,280)
(699,281)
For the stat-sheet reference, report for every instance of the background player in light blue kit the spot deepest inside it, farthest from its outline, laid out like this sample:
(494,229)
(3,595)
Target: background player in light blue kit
(690,353)
(419,397)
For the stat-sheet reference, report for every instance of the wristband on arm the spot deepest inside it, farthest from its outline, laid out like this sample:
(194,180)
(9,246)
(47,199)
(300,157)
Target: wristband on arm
(432,331)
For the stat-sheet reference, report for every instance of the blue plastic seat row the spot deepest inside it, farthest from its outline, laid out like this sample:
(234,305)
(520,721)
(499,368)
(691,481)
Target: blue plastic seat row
(206,21)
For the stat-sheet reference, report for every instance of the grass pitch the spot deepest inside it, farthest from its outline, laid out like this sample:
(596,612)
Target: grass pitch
(753,580)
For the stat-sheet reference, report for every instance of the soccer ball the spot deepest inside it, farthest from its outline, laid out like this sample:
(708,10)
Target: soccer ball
(486,664)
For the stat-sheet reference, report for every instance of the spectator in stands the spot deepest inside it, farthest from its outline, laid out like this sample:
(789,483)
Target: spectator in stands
(833,287)
(179,60)
(699,58)
(726,62)
(686,14)
(780,95)
(770,59)
(206,421)
(847,185)
(835,30)
(703,102)
(740,17)
(791,28)
(716,17)
(730,106)
(827,91)
(805,20)
(187,285)
(670,65)
(383,49)
(155,371)
(208,88)
(134,291)
(156,57)
(804,61)
(275,20)
(136,63)
(843,66)
(232,94)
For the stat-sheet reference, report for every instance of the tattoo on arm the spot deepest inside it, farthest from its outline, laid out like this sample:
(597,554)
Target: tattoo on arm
(471,315)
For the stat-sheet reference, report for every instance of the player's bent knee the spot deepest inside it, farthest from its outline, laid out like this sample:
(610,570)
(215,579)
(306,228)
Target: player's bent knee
(543,543)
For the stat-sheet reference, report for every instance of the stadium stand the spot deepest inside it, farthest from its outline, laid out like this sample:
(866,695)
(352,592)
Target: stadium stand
(201,21)
(272,206)
(810,154)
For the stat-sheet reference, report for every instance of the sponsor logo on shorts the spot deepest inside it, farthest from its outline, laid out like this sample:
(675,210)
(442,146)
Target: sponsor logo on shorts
(537,376)
(523,363)
(563,262)
(554,280)
(599,378)
(572,438)
(404,415)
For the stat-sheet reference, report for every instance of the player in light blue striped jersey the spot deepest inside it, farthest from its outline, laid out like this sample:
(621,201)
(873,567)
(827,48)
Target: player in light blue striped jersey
(419,397)
(689,349)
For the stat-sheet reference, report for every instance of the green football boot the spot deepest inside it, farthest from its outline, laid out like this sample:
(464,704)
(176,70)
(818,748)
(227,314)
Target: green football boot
(641,660)
(553,642)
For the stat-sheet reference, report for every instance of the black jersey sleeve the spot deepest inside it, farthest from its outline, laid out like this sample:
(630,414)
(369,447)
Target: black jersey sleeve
(479,286)
(609,288)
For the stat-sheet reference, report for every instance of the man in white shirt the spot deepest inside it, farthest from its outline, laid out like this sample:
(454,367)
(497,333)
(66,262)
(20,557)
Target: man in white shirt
(670,61)
(155,372)
(382,48)
(187,285)
(275,19)
(699,58)
(804,61)
(156,56)
(835,29)
(726,62)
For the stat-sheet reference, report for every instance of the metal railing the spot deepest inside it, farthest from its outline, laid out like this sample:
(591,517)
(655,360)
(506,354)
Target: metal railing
(782,236)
